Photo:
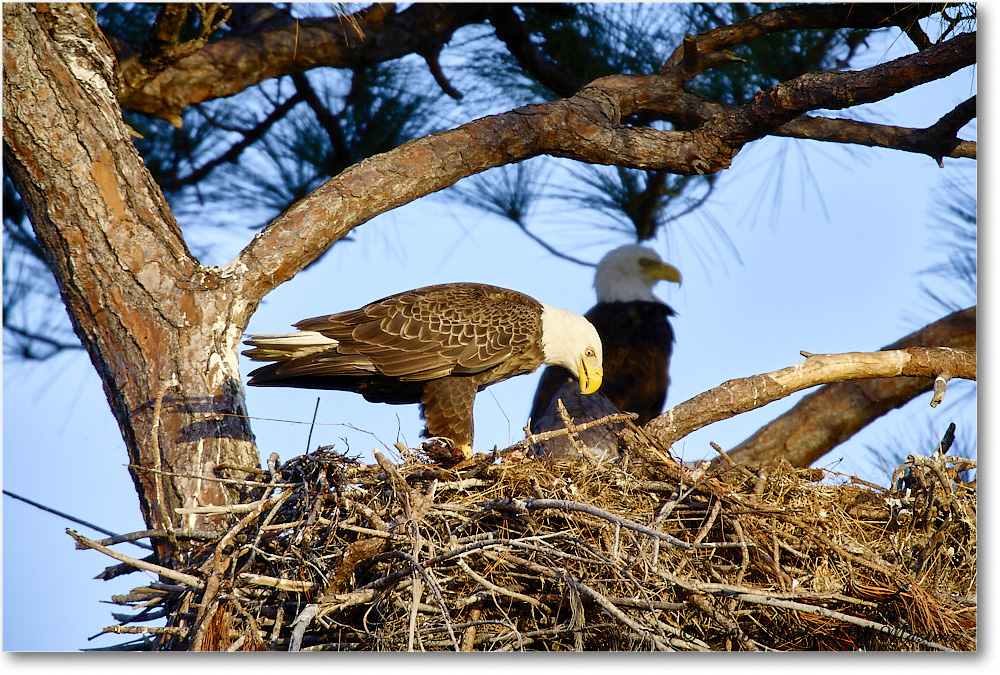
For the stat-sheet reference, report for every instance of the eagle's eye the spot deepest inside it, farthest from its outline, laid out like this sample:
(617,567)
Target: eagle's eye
(590,352)
(645,262)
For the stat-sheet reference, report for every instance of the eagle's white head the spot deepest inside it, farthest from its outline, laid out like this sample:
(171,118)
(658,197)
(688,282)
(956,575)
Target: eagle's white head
(570,341)
(628,274)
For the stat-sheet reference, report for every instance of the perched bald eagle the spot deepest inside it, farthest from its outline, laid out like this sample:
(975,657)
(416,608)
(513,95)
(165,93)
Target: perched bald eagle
(635,332)
(437,346)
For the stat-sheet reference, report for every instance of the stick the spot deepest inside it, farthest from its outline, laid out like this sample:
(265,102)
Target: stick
(546,435)
(617,613)
(138,564)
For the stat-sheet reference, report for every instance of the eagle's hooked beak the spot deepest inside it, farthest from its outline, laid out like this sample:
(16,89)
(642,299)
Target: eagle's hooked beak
(661,271)
(591,377)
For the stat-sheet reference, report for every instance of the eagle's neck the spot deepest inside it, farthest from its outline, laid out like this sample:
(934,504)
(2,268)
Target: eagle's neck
(614,285)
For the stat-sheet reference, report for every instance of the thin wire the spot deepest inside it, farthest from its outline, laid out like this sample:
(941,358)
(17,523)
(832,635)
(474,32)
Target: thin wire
(73,519)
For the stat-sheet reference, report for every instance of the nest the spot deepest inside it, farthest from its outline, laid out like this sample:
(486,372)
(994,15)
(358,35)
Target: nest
(511,553)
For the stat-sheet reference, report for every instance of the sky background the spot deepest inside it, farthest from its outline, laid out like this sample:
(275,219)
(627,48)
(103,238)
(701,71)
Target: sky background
(831,244)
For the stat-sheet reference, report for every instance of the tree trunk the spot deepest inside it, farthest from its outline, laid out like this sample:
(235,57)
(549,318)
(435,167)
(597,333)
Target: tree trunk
(161,329)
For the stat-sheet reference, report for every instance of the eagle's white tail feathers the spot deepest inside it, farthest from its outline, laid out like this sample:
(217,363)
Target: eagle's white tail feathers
(287,346)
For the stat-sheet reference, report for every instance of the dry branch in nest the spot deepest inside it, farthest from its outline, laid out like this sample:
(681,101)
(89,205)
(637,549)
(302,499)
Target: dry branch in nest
(519,554)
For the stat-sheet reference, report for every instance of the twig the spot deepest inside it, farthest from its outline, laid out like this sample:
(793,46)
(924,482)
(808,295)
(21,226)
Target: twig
(152,630)
(555,433)
(147,534)
(571,429)
(726,622)
(312,426)
(613,610)
(525,505)
(226,481)
(224,508)
(300,624)
(487,584)
(138,564)
(290,585)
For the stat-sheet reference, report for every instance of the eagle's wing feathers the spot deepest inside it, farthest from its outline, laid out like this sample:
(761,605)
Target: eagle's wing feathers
(432,332)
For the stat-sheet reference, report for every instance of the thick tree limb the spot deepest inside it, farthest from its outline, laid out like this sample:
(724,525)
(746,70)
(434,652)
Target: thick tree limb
(824,419)
(740,395)
(586,127)
(284,46)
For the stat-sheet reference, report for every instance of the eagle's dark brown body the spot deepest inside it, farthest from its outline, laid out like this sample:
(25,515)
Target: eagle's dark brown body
(638,341)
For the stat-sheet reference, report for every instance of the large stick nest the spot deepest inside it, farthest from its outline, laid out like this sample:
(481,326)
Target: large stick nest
(519,554)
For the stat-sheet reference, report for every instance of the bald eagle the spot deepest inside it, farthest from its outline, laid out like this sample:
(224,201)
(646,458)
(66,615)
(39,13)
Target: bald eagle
(635,330)
(437,346)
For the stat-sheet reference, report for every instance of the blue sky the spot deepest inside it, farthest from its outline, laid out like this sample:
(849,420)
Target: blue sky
(830,253)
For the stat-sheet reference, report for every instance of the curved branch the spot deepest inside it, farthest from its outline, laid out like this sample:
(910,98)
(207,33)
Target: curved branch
(838,90)
(805,16)
(586,127)
(284,46)
(740,395)
(832,414)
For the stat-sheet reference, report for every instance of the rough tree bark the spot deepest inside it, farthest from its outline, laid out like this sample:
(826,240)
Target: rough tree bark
(162,329)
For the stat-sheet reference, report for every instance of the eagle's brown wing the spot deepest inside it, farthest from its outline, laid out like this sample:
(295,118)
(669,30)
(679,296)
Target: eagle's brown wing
(428,333)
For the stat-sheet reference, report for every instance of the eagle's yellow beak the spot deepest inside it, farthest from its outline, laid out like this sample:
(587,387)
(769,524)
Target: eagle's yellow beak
(591,376)
(661,270)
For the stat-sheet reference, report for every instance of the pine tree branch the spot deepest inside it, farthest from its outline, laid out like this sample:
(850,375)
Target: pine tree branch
(586,127)
(937,141)
(164,47)
(250,136)
(711,45)
(743,394)
(282,46)
(514,34)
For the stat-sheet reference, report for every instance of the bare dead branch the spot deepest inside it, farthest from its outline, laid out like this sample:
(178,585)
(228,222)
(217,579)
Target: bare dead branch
(193,581)
(825,418)
(739,395)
